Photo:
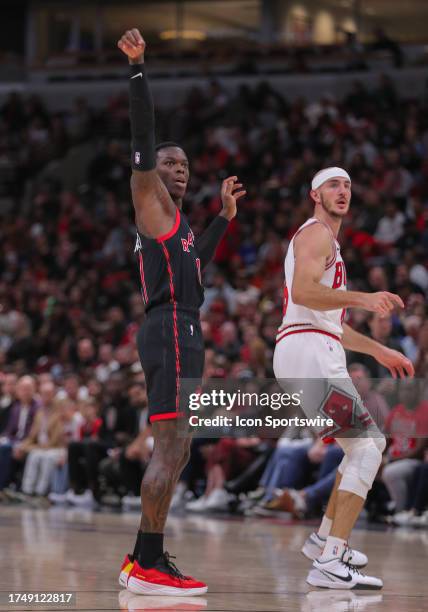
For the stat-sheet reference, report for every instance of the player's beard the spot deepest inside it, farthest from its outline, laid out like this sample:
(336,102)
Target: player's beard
(328,209)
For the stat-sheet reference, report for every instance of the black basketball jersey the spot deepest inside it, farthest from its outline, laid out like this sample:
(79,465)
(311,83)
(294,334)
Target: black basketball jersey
(170,269)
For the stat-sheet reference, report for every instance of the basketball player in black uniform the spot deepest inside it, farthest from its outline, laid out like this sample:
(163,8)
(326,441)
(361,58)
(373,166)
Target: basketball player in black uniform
(170,341)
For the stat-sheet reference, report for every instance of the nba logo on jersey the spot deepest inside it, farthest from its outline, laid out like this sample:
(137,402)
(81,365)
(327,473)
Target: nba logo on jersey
(137,157)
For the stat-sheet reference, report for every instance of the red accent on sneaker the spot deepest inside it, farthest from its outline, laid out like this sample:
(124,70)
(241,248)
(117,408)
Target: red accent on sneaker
(157,577)
(126,562)
(125,571)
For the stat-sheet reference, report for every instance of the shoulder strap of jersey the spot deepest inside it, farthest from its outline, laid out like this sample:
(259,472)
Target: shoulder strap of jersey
(310,222)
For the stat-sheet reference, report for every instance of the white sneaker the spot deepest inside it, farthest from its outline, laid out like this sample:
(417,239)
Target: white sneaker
(58,498)
(314,545)
(86,499)
(218,500)
(420,521)
(197,505)
(336,574)
(403,518)
(70,495)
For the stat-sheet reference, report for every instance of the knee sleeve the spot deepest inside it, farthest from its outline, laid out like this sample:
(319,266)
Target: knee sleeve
(342,465)
(380,442)
(363,460)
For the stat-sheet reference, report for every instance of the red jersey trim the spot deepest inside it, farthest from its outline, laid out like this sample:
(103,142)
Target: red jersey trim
(330,263)
(282,329)
(174,318)
(143,280)
(166,416)
(306,331)
(173,230)
(331,259)
(303,228)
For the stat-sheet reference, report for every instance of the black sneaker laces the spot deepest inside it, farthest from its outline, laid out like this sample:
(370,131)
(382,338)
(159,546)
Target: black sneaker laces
(172,568)
(348,564)
(348,550)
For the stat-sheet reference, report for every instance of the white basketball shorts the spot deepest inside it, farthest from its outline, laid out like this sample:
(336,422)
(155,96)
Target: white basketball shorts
(309,355)
(314,364)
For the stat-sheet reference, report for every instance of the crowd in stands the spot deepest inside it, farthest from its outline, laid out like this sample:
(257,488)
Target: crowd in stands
(73,405)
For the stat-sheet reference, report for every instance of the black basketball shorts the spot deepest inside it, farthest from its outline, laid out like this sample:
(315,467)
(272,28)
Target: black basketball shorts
(171,348)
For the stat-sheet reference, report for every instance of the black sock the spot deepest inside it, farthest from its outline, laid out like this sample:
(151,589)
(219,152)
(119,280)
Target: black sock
(137,546)
(150,549)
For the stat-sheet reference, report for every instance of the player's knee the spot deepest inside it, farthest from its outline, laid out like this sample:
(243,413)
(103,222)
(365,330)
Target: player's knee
(176,455)
(380,442)
(363,460)
(181,457)
(154,487)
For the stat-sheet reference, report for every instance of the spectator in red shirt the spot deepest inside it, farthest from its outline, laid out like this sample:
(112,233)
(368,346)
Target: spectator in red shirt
(406,424)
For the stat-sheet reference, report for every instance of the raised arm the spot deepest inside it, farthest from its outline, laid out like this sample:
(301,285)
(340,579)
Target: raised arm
(154,209)
(312,248)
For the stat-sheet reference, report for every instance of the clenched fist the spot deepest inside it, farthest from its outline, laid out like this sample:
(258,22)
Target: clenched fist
(133,45)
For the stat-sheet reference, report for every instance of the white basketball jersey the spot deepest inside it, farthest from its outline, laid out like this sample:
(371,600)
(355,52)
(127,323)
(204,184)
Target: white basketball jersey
(299,318)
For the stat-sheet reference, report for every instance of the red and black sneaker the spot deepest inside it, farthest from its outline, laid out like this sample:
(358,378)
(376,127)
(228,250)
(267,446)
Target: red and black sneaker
(163,579)
(125,570)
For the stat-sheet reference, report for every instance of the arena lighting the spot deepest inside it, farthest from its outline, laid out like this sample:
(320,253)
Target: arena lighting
(186,34)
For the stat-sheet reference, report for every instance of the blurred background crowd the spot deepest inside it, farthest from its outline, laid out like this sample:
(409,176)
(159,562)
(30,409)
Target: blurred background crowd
(73,417)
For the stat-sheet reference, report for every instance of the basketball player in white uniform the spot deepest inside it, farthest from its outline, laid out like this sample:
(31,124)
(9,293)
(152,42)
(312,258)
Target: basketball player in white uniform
(310,345)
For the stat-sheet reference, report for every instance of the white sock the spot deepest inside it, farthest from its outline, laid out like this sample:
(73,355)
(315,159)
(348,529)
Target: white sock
(334,547)
(324,528)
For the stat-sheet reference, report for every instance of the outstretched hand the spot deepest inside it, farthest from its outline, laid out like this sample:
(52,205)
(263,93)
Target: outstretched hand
(231,192)
(397,363)
(133,45)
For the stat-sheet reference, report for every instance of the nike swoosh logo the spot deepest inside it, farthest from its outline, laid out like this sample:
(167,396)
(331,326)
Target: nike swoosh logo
(347,579)
(140,74)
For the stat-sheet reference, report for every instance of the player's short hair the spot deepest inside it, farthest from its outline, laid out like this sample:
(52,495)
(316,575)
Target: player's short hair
(167,145)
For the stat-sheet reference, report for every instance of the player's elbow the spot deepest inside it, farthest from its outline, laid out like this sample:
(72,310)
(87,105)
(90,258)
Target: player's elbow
(297,294)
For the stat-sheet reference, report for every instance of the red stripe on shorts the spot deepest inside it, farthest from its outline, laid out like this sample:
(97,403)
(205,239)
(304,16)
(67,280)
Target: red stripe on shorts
(307,331)
(174,317)
(143,281)
(166,416)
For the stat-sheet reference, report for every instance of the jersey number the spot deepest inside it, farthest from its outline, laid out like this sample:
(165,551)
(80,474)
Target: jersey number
(339,275)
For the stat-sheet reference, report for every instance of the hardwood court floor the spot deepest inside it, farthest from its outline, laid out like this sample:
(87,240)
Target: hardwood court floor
(250,565)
